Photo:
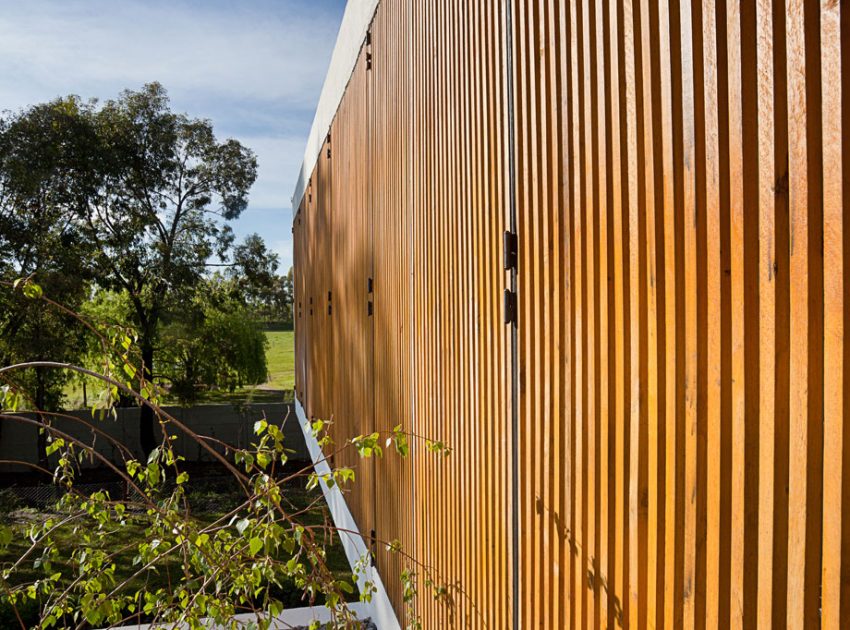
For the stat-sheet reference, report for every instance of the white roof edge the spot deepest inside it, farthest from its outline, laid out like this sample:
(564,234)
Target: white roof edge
(352,33)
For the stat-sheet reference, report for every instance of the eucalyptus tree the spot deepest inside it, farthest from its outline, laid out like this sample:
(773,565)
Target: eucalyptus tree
(148,192)
(254,267)
(166,189)
(47,166)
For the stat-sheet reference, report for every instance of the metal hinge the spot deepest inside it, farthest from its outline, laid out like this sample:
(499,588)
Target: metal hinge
(510,307)
(330,306)
(510,246)
(368,50)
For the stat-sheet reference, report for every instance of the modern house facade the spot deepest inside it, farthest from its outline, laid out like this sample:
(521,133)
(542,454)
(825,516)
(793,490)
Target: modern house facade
(598,249)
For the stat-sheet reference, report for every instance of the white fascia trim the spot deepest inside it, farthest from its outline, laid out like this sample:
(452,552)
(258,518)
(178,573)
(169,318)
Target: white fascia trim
(379,609)
(352,33)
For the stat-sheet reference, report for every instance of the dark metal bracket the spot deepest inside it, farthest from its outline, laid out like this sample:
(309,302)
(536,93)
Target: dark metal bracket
(510,247)
(510,307)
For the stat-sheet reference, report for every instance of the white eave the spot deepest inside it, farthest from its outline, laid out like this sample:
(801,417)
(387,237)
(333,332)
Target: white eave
(352,33)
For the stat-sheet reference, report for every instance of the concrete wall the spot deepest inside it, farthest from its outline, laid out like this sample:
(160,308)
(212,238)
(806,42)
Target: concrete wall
(225,423)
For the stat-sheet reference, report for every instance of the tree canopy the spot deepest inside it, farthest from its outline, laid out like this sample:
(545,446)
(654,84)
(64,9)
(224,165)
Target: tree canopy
(147,192)
(44,161)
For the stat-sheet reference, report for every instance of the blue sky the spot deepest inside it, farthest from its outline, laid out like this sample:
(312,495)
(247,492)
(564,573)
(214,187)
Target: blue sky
(255,68)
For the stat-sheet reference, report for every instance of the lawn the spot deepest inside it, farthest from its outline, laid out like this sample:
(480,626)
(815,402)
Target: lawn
(280,359)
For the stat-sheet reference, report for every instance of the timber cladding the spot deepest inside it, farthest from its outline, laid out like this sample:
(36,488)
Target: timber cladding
(677,175)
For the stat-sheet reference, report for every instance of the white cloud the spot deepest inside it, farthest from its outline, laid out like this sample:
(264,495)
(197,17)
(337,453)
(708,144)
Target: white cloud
(51,47)
(255,68)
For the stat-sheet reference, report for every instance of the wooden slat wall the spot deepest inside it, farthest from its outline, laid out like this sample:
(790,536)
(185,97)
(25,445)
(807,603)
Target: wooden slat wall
(681,184)
(352,358)
(418,203)
(300,262)
(681,191)
(324,259)
(389,162)
(457,187)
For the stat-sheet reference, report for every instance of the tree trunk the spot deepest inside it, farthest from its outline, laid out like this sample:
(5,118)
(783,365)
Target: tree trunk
(146,420)
(40,398)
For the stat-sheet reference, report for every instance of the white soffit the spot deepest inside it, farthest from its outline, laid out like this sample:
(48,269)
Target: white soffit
(352,33)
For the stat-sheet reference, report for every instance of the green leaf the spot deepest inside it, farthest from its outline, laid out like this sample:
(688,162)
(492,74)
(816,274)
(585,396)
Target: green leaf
(54,446)
(132,467)
(275,608)
(248,460)
(263,459)
(254,546)
(400,441)
(5,536)
(10,399)
(367,445)
(153,471)
(32,291)
(343,475)
(182,478)
(312,481)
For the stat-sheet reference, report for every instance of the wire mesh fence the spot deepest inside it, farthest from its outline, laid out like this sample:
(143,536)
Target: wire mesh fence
(205,494)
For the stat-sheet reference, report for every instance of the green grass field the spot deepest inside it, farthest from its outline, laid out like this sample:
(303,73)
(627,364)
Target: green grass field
(280,359)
